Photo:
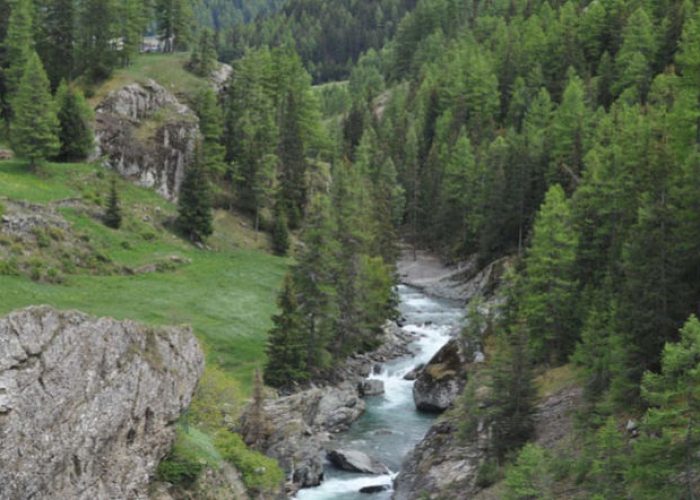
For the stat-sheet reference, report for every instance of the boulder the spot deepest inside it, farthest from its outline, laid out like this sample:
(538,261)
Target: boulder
(146,135)
(300,426)
(88,405)
(441,380)
(356,461)
(413,374)
(371,387)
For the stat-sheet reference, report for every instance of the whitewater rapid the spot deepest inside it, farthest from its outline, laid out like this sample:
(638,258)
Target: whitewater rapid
(391,427)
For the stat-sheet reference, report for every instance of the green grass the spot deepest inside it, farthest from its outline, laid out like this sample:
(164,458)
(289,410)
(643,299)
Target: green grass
(227,295)
(167,69)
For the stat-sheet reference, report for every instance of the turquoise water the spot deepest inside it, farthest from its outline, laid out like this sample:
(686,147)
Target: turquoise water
(391,427)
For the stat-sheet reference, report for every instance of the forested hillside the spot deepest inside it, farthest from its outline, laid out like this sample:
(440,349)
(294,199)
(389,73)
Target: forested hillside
(562,137)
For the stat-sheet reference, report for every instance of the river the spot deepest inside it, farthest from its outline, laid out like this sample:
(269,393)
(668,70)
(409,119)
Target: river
(391,427)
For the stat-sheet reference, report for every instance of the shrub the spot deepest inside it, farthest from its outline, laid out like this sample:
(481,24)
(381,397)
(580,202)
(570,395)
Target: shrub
(183,465)
(260,473)
(215,403)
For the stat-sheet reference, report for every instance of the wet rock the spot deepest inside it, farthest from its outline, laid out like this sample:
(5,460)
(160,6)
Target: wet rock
(438,384)
(300,427)
(371,387)
(413,374)
(89,404)
(356,461)
(377,488)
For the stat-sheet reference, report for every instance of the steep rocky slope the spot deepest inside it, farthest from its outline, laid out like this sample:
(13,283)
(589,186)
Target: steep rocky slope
(87,405)
(146,134)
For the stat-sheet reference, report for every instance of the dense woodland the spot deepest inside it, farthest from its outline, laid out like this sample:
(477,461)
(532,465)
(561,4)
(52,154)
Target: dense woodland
(564,134)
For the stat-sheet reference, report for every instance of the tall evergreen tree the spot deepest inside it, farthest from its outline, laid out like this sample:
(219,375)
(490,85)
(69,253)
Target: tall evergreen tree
(96,36)
(287,342)
(56,31)
(549,289)
(174,18)
(113,214)
(194,218)
(18,44)
(75,132)
(35,126)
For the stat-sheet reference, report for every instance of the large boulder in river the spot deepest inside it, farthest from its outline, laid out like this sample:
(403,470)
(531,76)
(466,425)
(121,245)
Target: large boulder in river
(145,134)
(371,387)
(356,461)
(87,405)
(441,380)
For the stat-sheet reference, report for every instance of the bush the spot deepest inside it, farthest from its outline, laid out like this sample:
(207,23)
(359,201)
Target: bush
(215,403)
(183,465)
(260,473)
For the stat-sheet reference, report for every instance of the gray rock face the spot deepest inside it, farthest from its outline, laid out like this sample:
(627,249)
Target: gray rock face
(441,380)
(441,467)
(371,387)
(86,404)
(220,77)
(300,428)
(356,461)
(145,134)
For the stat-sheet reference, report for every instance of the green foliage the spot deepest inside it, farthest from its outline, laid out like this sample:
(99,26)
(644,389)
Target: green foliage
(549,289)
(194,218)
(260,473)
(664,457)
(203,59)
(528,476)
(74,116)
(18,43)
(35,126)
(174,23)
(280,233)
(113,214)
(183,465)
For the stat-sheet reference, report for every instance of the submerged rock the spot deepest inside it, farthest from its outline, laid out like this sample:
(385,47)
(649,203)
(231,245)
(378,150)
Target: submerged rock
(377,488)
(87,405)
(356,461)
(441,380)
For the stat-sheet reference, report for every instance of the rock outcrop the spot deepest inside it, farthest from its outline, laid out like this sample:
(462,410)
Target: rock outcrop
(301,425)
(87,405)
(442,379)
(356,461)
(145,134)
(441,467)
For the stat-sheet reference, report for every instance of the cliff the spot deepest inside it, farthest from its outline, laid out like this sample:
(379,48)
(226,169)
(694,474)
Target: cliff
(145,134)
(87,405)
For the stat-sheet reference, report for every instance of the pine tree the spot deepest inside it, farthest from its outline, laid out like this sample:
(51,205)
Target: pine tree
(204,58)
(664,458)
(35,125)
(280,233)
(569,129)
(113,215)
(511,402)
(608,468)
(174,18)
(528,477)
(98,29)
(74,115)
(56,28)
(194,204)
(19,43)
(549,288)
(292,161)
(211,128)
(287,341)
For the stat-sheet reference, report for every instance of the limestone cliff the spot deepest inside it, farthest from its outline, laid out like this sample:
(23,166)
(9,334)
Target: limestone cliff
(143,132)
(87,405)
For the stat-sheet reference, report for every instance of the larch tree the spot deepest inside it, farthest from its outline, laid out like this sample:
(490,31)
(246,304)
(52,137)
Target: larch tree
(34,129)
(548,302)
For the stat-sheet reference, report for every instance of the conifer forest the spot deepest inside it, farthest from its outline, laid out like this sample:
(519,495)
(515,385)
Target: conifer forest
(345,249)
